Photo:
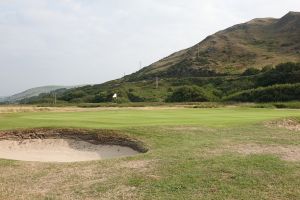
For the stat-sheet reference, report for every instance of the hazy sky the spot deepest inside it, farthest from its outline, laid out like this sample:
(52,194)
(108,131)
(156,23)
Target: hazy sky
(71,42)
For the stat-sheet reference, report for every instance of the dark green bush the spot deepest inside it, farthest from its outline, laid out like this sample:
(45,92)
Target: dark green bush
(121,100)
(190,94)
(251,71)
(101,97)
(135,97)
(281,74)
(275,93)
(290,105)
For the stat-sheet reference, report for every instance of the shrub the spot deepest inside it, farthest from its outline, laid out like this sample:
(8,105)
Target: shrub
(101,97)
(275,93)
(281,74)
(121,100)
(135,97)
(190,94)
(290,105)
(251,71)
(73,94)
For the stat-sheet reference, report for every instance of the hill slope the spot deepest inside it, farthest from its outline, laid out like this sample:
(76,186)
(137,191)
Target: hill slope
(231,63)
(32,93)
(257,43)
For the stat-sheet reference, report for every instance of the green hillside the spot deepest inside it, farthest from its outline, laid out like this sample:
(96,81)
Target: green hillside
(257,43)
(260,57)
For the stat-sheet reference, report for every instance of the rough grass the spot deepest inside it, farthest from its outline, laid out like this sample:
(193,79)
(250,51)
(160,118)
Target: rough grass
(186,158)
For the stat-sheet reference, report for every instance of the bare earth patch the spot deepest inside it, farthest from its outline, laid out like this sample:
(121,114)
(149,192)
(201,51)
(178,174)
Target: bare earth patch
(288,153)
(290,124)
(136,164)
(119,193)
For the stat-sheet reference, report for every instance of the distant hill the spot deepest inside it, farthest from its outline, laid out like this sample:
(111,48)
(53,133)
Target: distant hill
(2,99)
(257,43)
(32,93)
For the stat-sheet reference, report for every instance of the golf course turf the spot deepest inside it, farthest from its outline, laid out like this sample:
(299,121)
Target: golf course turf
(219,153)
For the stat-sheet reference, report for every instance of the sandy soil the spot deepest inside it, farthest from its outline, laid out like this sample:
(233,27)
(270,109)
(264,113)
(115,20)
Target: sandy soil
(290,124)
(60,150)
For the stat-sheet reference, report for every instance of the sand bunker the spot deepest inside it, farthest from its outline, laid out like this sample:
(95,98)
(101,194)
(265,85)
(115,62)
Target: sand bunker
(60,150)
(66,145)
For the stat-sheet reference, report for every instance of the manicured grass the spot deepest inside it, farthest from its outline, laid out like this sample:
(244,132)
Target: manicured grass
(189,157)
(219,117)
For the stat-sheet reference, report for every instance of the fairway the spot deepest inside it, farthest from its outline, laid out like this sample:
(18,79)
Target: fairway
(122,118)
(220,153)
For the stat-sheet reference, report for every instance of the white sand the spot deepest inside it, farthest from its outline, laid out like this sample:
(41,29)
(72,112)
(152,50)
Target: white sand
(60,150)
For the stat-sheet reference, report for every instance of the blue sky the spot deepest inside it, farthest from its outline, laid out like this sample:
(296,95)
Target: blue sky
(71,42)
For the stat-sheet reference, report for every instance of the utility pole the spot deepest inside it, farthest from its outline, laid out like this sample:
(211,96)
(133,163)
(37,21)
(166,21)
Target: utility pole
(156,82)
(140,64)
(54,98)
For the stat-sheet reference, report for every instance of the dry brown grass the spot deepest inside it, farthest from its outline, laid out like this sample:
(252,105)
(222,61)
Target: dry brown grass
(88,180)
(16,109)
(288,152)
(285,152)
(20,109)
(290,124)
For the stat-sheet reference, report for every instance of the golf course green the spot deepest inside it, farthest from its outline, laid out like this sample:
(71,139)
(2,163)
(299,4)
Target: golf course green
(213,153)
